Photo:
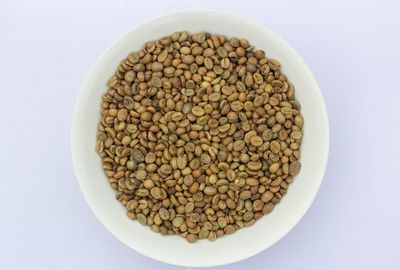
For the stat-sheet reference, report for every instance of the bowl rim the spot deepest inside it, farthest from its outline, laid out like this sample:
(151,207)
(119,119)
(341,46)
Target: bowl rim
(287,47)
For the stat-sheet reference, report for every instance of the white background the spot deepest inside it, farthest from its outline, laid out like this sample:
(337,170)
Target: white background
(47,48)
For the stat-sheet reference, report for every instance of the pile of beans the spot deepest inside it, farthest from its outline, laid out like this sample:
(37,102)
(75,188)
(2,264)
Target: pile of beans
(199,135)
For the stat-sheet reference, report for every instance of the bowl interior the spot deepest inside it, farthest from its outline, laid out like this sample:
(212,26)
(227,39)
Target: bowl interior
(245,242)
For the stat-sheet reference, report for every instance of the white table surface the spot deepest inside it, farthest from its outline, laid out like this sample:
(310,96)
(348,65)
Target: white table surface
(46,49)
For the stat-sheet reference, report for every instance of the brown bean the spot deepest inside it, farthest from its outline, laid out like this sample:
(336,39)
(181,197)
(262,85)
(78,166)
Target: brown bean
(267,196)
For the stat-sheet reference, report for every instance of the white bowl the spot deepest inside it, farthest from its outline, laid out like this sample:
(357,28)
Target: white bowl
(243,243)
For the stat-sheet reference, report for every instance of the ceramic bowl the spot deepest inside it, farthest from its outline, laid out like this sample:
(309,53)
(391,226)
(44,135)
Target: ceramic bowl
(245,242)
